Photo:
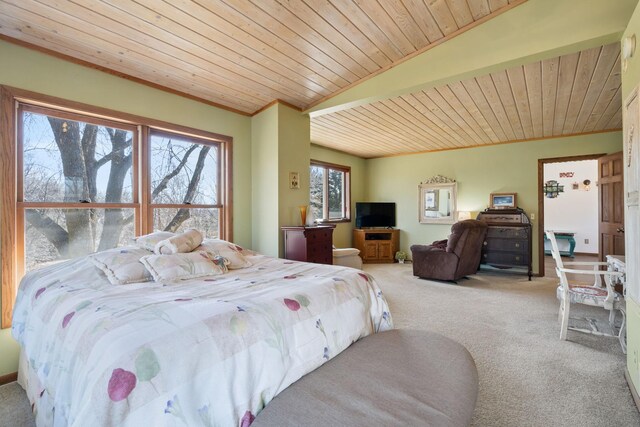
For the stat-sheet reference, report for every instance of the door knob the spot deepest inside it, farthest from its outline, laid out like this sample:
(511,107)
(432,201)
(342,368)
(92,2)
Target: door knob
(620,230)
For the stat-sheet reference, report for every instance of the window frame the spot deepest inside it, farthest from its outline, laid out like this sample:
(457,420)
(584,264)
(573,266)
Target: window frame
(11,202)
(22,205)
(346,194)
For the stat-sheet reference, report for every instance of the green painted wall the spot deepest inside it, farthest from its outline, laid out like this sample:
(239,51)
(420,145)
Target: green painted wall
(479,172)
(343,234)
(630,79)
(264,158)
(37,72)
(631,76)
(280,145)
(529,32)
(295,140)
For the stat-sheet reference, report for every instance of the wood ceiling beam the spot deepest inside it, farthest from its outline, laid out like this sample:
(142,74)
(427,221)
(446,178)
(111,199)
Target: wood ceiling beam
(533,31)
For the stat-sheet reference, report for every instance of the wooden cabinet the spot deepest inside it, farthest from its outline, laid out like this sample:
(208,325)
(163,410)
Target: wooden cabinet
(508,240)
(376,245)
(309,244)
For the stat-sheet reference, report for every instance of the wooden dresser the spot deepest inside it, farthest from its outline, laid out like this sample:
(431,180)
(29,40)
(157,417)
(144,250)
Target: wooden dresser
(309,244)
(508,240)
(376,245)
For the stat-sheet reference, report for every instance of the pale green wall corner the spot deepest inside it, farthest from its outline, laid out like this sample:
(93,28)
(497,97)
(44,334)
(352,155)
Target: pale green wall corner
(280,145)
(630,79)
(479,172)
(264,188)
(37,72)
(343,234)
(532,31)
(295,140)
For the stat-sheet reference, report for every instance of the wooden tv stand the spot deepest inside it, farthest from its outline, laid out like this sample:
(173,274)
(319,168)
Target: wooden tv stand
(376,245)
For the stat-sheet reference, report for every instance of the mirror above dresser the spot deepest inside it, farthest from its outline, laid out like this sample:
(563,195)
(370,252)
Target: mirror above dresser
(437,200)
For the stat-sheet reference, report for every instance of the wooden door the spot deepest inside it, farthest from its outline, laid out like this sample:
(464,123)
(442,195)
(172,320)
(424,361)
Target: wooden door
(611,205)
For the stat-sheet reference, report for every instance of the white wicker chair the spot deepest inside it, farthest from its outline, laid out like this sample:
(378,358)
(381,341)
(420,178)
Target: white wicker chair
(594,295)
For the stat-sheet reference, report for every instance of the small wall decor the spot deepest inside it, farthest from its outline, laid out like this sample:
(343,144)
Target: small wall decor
(503,201)
(294,180)
(552,188)
(575,186)
(567,174)
(627,50)
(587,184)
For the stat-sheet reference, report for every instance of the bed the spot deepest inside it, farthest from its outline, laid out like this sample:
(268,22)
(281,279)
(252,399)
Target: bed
(208,351)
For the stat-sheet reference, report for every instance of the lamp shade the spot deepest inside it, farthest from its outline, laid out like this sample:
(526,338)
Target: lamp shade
(462,215)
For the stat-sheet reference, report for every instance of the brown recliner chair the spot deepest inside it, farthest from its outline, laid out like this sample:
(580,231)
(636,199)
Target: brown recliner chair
(454,258)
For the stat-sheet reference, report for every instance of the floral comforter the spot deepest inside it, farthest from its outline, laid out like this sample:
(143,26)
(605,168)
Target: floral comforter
(206,352)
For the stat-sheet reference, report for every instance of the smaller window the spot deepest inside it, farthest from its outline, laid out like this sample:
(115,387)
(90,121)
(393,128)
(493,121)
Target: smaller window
(330,192)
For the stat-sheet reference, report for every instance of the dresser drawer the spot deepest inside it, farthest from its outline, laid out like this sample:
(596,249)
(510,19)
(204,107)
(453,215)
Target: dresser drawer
(505,258)
(508,232)
(509,245)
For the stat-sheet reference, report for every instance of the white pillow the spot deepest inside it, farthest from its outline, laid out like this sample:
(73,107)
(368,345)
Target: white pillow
(174,267)
(122,265)
(180,243)
(149,241)
(227,250)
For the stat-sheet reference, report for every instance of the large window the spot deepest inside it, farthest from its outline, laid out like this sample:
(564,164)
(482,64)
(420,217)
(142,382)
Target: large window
(330,192)
(80,181)
(75,186)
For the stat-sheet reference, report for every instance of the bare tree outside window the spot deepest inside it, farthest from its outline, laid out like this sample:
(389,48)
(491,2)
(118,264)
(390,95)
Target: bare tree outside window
(69,163)
(184,173)
(329,195)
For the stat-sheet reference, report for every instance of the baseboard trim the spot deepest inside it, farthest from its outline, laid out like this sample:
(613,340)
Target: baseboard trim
(585,253)
(634,393)
(9,378)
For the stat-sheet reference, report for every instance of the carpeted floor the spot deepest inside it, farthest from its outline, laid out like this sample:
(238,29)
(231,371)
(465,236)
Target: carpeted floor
(15,410)
(528,377)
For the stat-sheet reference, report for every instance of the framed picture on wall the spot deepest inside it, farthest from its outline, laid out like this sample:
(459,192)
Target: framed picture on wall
(503,201)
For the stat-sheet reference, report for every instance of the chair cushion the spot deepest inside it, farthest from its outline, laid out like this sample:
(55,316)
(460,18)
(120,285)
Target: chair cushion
(585,294)
(345,252)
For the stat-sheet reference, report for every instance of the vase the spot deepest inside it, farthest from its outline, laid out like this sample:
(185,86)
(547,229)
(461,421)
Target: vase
(303,215)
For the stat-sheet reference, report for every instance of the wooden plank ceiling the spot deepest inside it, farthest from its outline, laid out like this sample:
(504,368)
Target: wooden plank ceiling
(567,95)
(244,54)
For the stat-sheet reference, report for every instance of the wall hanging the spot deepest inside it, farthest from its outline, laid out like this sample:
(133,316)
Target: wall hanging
(552,188)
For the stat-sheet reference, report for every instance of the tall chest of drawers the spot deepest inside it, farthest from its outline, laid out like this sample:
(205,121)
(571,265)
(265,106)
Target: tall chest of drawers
(309,243)
(508,240)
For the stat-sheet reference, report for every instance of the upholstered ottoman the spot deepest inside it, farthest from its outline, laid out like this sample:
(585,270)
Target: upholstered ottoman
(394,378)
(347,257)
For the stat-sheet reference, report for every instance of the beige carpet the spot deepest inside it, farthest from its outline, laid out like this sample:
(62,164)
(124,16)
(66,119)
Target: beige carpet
(528,377)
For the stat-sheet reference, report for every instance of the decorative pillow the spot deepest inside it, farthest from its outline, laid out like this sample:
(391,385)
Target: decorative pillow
(170,268)
(149,241)
(225,249)
(180,243)
(122,265)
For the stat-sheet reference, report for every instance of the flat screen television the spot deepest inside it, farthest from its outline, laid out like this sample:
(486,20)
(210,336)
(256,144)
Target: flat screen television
(375,214)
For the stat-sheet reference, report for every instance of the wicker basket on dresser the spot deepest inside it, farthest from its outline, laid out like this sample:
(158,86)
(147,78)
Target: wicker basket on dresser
(508,240)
